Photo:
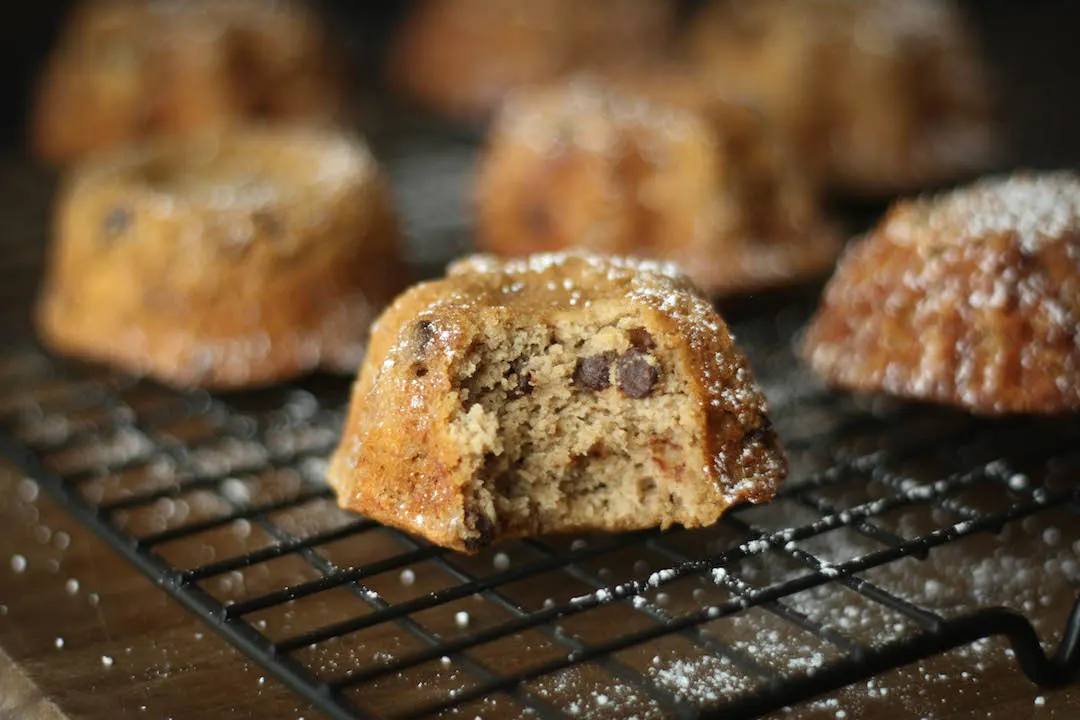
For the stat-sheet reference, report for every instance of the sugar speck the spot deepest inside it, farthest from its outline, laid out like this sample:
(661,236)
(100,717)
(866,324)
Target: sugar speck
(27,490)
(72,586)
(407,577)
(461,619)
(501,561)
(93,599)
(61,540)
(107,661)
(236,491)
(59,643)
(1040,701)
(18,563)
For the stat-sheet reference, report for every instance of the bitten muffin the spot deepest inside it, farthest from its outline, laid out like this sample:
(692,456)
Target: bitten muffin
(971,299)
(880,95)
(460,57)
(225,262)
(553,394)
(128,69)
(651,165)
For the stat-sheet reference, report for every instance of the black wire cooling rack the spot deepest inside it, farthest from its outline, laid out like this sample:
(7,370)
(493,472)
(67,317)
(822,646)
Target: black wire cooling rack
(220,500)
(123,455)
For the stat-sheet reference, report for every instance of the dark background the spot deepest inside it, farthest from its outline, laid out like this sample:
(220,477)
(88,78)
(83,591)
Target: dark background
(1033,48)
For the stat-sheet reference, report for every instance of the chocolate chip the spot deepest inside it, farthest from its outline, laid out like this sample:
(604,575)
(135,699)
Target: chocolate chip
(538,219)
(636,374)
(268,223)
(594,373)
(763,431)
(423,335)
(483,528)
(641,339)
(116,222)
(524,380)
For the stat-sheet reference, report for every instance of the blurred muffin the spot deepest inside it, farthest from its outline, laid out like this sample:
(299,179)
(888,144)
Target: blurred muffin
(881,96)
(460,57)
(241,261)
(650,165)
(128,69)
(971,299)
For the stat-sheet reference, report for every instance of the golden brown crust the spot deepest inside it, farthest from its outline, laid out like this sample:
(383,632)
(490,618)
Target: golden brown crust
(880,96)
(460,57)
(970,299)
(651,165)
(399,464)
(129,69)
(232,261)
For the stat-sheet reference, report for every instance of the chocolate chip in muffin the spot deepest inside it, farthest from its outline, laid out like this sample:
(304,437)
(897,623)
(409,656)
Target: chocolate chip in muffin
(762,431)
(523,384)
(637,375)
(268,223)
(483,528)
(423,335)
(116,222)
(538,219)
(594,372)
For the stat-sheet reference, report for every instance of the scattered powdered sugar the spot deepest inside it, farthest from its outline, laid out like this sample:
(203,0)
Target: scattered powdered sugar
(584,695)
(704,680)
(27,490)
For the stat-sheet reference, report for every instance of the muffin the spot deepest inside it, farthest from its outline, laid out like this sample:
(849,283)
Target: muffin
(558,393)
(880,96)
(125,70)
(224,262)
(970,299)
(458,58)
(651,165)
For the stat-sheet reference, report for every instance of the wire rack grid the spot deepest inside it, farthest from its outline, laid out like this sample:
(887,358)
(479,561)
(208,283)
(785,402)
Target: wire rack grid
(122,455)
(220,500)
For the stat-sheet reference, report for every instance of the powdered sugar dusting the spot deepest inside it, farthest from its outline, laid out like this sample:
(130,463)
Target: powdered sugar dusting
(1036,208)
